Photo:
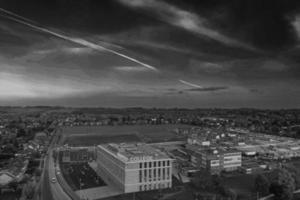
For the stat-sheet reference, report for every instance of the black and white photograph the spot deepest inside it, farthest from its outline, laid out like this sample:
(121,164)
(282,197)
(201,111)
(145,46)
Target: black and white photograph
(149,99)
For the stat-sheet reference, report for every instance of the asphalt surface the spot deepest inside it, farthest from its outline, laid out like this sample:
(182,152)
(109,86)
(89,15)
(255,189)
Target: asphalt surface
(57,191)
(49,190)
(46,193)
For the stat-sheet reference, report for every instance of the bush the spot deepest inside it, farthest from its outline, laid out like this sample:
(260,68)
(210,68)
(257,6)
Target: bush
(262,185)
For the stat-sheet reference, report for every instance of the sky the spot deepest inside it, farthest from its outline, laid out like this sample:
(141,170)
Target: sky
(150,53)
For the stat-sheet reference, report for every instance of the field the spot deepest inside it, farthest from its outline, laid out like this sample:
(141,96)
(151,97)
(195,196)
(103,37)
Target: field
(92,140)
(76,174)
(76,136)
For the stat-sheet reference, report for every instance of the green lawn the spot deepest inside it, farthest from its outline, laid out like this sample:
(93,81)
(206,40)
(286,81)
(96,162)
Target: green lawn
(98,134)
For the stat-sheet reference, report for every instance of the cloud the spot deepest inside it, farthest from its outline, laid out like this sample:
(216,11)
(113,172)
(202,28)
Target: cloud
(185,20)
(274,66)
(82,42)
(65,50)
(173,91)
(17,16)
(207,67)
(296,25)
(190,84)
(14,85)
(208,89)
(199,88)
(130,68)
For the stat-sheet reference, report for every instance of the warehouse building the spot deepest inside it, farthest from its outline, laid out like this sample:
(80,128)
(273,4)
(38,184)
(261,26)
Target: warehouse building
(134,167)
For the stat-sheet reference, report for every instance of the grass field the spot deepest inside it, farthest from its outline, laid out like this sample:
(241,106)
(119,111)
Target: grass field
(103,134)
(91,140)
(76,174)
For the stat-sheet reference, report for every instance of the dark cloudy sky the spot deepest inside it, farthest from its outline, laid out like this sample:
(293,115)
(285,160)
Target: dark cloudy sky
(153,53)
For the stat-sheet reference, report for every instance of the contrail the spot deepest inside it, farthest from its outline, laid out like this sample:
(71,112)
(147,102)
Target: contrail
(15,15)
(190,84)
(80,41)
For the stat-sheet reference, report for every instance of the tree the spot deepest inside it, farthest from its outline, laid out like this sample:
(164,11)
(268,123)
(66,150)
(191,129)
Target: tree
(203,180)
(283,185)
(28,190)
(227,192)
(295,172)
(281,192)
(13,185)
(262,185)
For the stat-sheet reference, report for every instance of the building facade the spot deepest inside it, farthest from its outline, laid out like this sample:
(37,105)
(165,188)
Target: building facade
(216,160)
(231,160)
(134,167)
(77,154)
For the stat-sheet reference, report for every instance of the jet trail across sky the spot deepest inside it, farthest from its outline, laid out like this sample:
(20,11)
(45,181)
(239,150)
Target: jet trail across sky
(83,42)
(80,41)
(190,84)
(15,15)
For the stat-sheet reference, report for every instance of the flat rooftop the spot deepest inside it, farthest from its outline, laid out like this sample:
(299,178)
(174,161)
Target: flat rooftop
(135,151)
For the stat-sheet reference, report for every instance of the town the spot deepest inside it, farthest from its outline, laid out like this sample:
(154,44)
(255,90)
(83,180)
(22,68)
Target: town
(149,100)
(77,153)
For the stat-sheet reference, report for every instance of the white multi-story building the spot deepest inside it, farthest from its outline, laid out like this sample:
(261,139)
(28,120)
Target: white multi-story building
(216,160)
(134,167)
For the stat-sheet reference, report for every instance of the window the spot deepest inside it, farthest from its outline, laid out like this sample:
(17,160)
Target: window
(228,159)
(159,163)
(140,175)
(141,188)
(141,165)
(145,165)
(145,175)
(154,163)
(168,163)
(158,173)
(150,175)
(150,164)
(164,163)
(168,173)
(164,174)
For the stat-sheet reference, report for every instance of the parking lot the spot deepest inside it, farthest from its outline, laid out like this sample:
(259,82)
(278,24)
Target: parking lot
(81,176)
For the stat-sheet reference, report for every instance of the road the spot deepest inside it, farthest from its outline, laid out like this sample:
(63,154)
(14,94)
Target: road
(49,190)
(57,191)
(46,193)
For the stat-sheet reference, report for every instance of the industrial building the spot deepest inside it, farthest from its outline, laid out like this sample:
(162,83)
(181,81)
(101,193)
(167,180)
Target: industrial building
(134,167)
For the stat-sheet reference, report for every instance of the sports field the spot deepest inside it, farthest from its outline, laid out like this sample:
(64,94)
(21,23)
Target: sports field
(92,140)
(93,135)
